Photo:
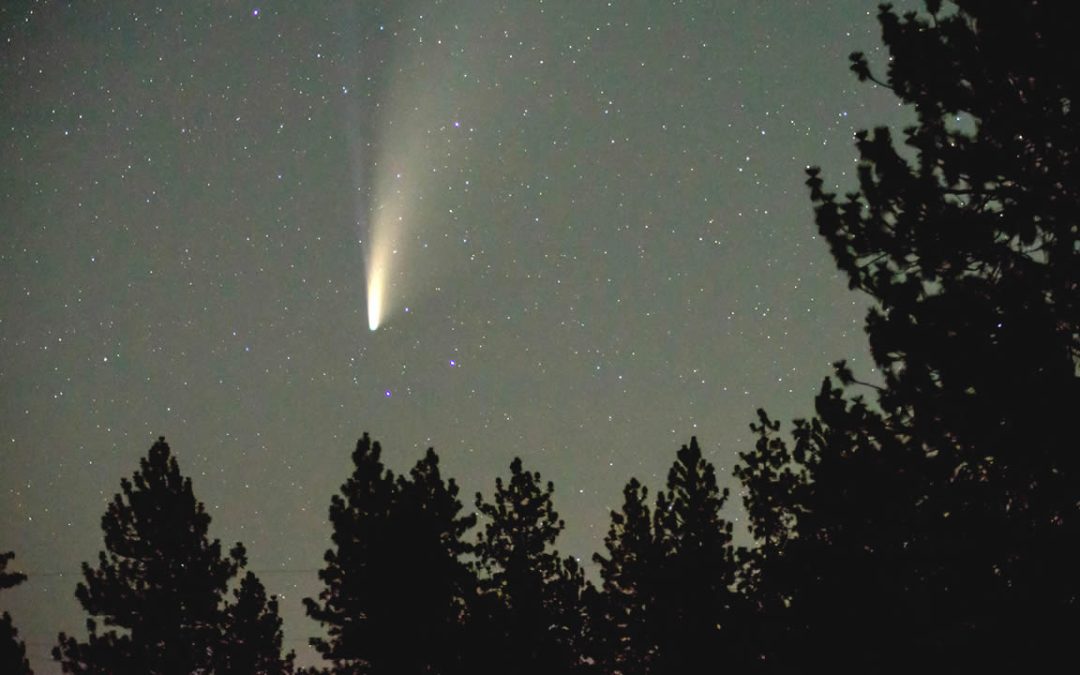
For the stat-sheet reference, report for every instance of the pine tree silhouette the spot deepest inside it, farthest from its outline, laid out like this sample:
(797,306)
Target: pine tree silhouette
(841,571)
(531,607)
(696,603)
(356,591)
(253,635)
(941,524)
(439,586)
(12,650)
(159,587)
(627,626)
(396,591)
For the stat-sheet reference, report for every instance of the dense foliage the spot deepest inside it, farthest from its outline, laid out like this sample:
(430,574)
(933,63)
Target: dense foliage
(396,589)
(159,589)
(940,523)
(12,649)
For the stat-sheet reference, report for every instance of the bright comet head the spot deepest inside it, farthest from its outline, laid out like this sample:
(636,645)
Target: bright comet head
(374,298)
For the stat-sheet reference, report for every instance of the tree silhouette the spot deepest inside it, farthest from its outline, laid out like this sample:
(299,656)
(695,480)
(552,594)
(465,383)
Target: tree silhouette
(356,591)
(842,570)
(12,650)
(696,603)
(670,602)
(440,586)
(396,591)
(972,255)
(253,635)
(530,609)
(940,524)
(627,627)
(159,586)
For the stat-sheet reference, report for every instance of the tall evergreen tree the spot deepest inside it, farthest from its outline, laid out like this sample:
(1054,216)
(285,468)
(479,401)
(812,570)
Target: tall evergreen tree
(972,252)
(356,592)
(159,586)
(696,604)
(943,524)
(396,590)
(440,585)
(842,572)
(12,649)
(626,632)
(253,635)
(530,606)
(776,482)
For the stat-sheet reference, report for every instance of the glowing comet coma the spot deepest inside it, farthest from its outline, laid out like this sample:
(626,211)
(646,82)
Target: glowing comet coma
(386,224)
(374,296)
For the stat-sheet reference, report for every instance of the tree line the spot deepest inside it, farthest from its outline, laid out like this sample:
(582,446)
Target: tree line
(931,519)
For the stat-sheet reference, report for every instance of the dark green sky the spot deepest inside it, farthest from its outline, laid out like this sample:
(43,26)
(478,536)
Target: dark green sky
(606,248)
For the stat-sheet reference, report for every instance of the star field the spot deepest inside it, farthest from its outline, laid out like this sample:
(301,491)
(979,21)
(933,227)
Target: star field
(599,244)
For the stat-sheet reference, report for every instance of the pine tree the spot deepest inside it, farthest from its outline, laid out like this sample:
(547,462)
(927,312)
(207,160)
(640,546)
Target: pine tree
(627,628)
(942,523)
(357,597)
(12,649)
(972,252)
(396,591)
(159,586)
(531,605)
(841,571)
(776,498)
(253,635)
(441,586)
(696,605)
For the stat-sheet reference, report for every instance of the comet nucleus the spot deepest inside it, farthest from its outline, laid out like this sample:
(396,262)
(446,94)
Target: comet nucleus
(374,297)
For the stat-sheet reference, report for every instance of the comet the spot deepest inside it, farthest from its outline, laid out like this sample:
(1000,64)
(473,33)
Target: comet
(381,259)
(374,297)
(405,150)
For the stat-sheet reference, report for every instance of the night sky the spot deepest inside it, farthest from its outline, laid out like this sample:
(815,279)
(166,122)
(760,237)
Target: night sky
(588,220)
